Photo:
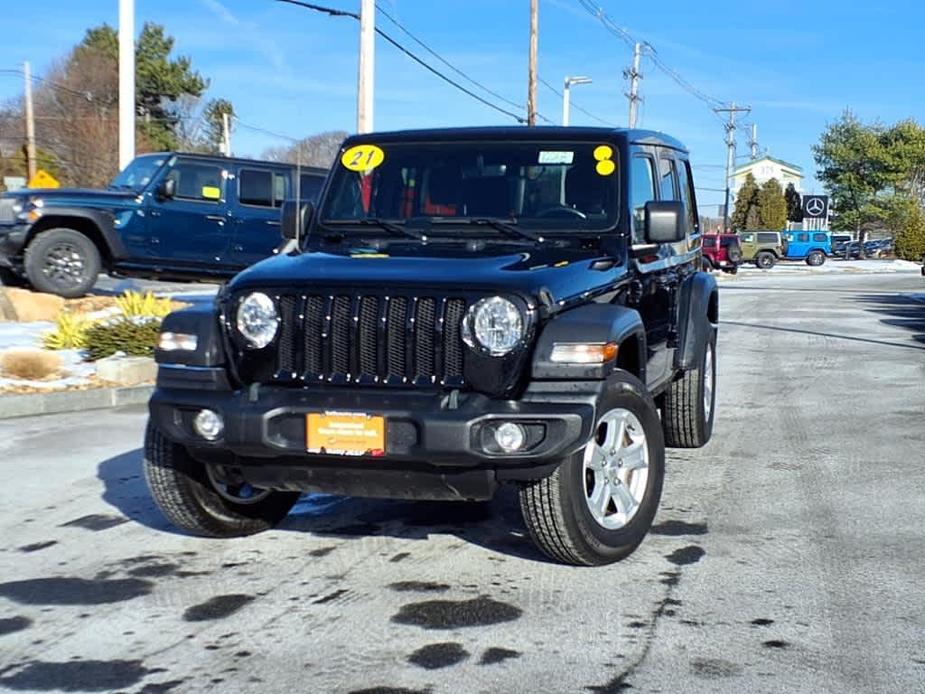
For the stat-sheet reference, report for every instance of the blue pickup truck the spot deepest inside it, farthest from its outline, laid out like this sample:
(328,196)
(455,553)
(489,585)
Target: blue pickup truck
(810,246)
(166,216)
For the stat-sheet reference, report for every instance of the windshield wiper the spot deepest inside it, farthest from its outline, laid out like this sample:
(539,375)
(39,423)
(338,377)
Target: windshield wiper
(504,226)
(390,227)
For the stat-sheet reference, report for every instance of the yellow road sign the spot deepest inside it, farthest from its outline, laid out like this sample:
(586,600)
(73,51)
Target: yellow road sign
(43,179)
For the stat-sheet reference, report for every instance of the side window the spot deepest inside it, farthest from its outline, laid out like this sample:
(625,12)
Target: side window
(196,181)
(310,187)
(767,238)
(748,238)
(642,190)
(709,242)
(280,189)
(667,180)
(687,196)
(255,188)
(820,238)
(803,238)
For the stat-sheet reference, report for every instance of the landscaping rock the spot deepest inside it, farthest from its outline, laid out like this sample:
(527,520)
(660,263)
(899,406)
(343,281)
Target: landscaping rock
(26,307)
(126,371)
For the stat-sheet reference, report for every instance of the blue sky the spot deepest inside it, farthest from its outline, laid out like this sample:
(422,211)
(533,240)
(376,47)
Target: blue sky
(293,71)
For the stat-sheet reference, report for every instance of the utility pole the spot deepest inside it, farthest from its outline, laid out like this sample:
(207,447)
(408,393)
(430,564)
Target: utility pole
(531,79)
(226,134)
(30,122)
(126,82)
(733,111)
(753,142)
(634,75)
(366,79)
(566,95)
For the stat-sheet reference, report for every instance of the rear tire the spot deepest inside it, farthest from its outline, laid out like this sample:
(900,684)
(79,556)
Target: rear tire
(63,262)
(184,493)
(815,259)
(689,404)
(706,265)
(765,260)
(558,509)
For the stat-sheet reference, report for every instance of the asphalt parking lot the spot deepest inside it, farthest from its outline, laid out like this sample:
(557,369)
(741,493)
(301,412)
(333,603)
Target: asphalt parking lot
(787,556)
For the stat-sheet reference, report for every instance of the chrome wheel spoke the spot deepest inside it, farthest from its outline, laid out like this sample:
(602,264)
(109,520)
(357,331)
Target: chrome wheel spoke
(596,458)
(600,497)
(623,499)
(635,457)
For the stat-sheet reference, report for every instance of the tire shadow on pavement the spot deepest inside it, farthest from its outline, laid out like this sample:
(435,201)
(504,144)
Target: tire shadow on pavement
(495,525)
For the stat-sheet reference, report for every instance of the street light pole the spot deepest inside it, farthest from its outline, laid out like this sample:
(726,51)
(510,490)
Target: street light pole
(531,71)
(366,77)
(566,95)
(126,82)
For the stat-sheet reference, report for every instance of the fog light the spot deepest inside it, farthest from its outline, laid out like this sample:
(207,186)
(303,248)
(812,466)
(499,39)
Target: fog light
(510,437)
(177,342)
(208,425)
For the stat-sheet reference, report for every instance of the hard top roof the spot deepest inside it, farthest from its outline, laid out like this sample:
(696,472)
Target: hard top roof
(236,160)
(521,133)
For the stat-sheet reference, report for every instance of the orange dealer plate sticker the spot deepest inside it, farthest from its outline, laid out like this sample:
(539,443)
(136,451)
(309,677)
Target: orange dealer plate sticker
(345,433)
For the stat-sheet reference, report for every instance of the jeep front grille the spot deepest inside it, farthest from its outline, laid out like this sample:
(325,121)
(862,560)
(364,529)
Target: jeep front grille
(6,210)
(340,339)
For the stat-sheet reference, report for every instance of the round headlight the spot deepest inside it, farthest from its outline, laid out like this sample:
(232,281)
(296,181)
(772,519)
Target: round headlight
(494,325)
(257,319)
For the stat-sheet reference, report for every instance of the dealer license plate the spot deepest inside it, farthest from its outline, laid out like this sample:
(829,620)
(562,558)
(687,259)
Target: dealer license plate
(345,433)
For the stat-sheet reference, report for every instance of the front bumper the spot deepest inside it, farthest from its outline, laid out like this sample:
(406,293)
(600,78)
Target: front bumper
(435,446)
(12,242)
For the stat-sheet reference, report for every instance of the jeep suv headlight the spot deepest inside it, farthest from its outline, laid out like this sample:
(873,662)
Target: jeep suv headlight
(494,325)
(257,319)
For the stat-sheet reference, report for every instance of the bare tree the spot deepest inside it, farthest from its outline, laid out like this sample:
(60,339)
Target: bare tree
(317,150)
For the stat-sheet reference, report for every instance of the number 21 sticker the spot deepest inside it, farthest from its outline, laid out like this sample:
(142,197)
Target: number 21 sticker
(362,158)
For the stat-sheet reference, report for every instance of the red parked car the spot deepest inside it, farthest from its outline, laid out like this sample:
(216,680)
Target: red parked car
(722,252)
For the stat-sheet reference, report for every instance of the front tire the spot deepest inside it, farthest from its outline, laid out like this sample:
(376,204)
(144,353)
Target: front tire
(191,500)
(598,505)
(689,404)
(63,262)
(815,259)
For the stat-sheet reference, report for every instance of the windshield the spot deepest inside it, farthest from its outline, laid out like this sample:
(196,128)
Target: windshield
(553,186)
(139,172)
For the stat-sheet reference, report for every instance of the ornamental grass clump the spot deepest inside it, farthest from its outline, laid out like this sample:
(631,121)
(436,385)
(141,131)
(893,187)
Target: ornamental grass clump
(133,304)
(30,364)
(134,337)
(70,332)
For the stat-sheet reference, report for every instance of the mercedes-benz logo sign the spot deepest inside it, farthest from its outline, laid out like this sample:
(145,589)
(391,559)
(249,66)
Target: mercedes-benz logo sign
(815,206)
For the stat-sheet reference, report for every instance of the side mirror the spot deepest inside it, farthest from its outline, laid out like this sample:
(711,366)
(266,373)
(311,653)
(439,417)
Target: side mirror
(167,189)
(665,221)
(295,218)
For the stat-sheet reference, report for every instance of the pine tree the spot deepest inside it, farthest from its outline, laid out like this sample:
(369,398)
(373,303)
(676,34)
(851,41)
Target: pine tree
(746,200)
(772,206)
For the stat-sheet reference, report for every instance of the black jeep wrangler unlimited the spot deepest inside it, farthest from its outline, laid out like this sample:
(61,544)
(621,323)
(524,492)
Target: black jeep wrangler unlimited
(463,308)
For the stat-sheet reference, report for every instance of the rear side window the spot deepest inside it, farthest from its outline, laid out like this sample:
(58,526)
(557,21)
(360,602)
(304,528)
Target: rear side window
(310,187)
(668,180)
(261,188)
(197,181)
(820,238)
(767,238)
(642,183)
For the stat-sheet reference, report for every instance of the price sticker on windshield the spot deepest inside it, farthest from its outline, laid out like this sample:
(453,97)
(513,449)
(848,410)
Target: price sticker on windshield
(362,158)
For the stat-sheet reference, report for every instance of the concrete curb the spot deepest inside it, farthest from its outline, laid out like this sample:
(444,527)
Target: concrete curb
(71,401)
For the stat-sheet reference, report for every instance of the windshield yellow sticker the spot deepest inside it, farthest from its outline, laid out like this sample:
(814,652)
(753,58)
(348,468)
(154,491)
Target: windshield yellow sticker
(362,158)
(211,192)
(605,165)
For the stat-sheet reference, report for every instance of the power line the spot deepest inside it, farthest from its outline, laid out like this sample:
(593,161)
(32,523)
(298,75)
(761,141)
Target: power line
(420,61)
(60,87)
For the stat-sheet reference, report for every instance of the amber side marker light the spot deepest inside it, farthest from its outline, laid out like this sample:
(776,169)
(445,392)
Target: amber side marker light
(583,352)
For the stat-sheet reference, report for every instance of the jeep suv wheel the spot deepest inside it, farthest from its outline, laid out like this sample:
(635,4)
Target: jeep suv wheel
(815,259)
(689,403)
(193,499)
(765,260)
(62,262)
(598,505)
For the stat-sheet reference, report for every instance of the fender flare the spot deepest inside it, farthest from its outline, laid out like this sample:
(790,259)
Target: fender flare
(591,323)
(698,315)
(101,220)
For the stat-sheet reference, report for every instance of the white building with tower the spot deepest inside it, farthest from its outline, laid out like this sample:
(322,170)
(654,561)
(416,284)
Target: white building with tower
(767,167)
